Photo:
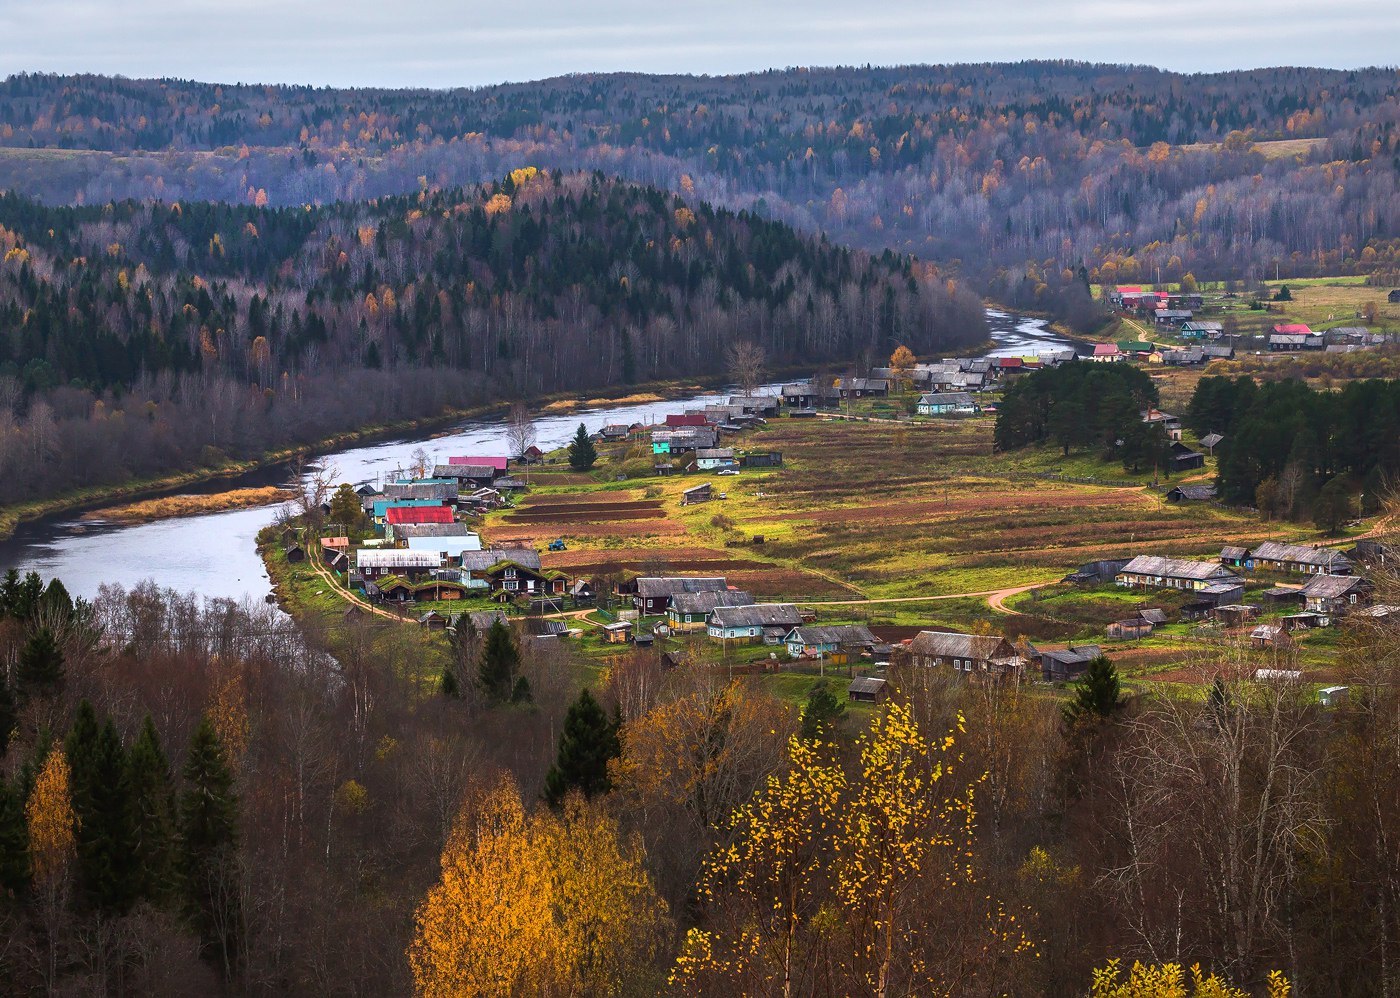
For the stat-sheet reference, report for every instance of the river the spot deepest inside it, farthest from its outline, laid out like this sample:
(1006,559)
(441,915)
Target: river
(214,554)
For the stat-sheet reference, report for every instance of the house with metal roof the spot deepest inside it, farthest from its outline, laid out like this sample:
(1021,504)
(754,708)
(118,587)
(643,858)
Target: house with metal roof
(766,622)
(982,655)
(715,458)
(1153,572)
(812,640)
(947,404)
(691,611)
(1299,558)
(1335,595)
(653,593)
(1061,665)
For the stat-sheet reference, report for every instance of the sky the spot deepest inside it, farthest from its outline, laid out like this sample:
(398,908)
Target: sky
(441,43)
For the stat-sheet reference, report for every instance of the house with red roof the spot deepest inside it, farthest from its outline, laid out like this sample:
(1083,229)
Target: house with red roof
(395,515)
(680,419)
(1289,337)
(1107,353)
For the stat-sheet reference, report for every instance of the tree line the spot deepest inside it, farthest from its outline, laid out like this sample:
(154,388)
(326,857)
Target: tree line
(1296,452)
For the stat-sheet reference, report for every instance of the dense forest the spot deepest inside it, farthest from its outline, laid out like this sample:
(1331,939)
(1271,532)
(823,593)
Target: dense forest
(1300,453)
(198,796)
(1021,174)
(162,334)
(1094,407)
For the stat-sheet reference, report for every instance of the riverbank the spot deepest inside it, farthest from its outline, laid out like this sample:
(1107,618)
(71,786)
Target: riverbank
(190,504)
(139,491)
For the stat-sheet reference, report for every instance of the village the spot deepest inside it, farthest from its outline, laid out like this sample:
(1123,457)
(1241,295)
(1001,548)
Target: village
(609,560)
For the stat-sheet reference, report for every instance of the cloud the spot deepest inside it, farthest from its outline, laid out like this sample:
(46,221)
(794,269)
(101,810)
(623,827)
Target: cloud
(437,43)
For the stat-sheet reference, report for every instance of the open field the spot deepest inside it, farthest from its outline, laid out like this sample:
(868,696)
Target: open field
(879,510)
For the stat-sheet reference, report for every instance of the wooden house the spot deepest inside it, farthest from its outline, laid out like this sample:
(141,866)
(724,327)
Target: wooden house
(766,622)
(761,459)
(691,611)
(379,563)
(1335,595)
(295,553)
(715,458)
(1129,629)
(652,594)
(1235,614)
(1269,636)
(835,643)
(982,655)
(1184,458)
(1062,665)
(946,404)
(1302,558)
(1152,572)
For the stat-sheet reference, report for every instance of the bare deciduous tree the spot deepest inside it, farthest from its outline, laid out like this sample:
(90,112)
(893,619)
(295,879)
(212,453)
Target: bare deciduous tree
(520,430)
(745,360)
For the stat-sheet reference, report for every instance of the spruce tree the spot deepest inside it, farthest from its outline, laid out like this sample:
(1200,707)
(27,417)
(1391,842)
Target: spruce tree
(821,713)
(582,454)
(499,662)
(208,846)
(447,684)
(40,665)
(14,841)
(150,795)
(106,868)
(9,715)
(588,741)
(1096,695)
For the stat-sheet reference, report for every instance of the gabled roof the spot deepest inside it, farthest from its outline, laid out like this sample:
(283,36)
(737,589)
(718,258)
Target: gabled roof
(396,515)
(946,398)
(843,635)
(1106,350)
(866,684)
(707,601)
(1211,439)
(396,558)
(1233,553)
(1177,568)
(1334,586)
(435,530)
(1293,329)
(480,561)
(499,463)
(654,587)
(944,644)
(756,615)
(1073,655)
(482,471)
(1300,554)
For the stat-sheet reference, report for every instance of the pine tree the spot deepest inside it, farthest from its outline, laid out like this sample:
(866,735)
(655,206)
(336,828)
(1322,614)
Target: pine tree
(588,741)
(14,841)
(208,843)
(582,454)
(40,665)
(447,684)
(1096,694)
(150,796)
(821,713)
(499,662)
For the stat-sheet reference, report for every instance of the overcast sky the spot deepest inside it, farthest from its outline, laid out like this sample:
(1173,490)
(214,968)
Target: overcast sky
(441,43)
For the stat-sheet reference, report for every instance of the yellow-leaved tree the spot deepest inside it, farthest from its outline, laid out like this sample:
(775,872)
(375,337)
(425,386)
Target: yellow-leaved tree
(859,883)
(902,362)
(545,904)
(52,823)
(1170,980)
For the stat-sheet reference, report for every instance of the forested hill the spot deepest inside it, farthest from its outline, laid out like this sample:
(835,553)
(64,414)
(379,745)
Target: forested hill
(1021,173)
(244,326)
